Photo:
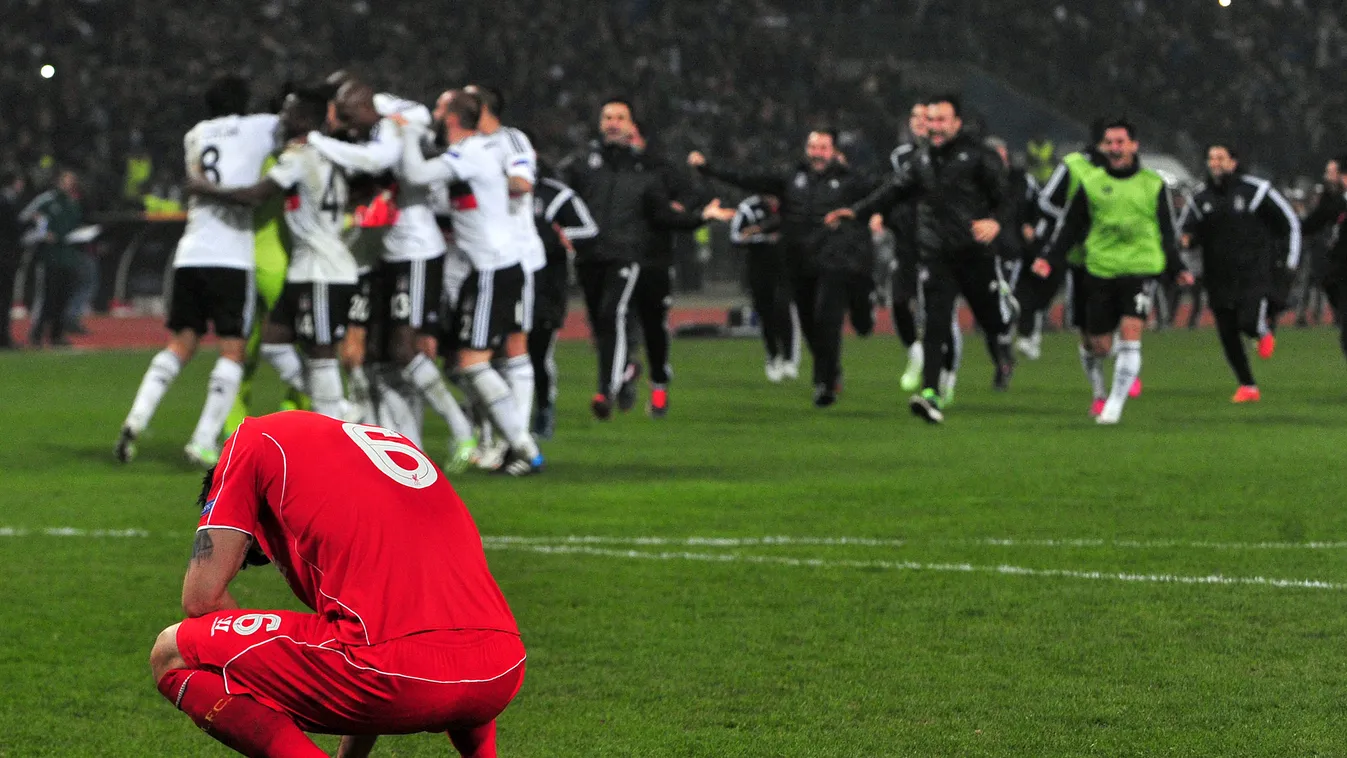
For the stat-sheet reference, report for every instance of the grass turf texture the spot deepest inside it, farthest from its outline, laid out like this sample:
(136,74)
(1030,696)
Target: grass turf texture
(671,656)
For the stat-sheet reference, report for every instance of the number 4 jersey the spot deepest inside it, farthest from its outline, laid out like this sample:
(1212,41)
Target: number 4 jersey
(315,212)
(363,526)
(228,151)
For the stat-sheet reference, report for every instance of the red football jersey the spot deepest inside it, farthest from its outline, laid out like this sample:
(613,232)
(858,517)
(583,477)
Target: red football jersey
(362,525)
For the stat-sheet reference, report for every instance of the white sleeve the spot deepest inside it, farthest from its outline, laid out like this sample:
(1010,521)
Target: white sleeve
(287,172)
(389,105)
(189,154)
(417,170)
(522,161)
(378,155)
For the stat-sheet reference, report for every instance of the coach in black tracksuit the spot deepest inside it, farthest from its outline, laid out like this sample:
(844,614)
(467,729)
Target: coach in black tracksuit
(563,223)
(960,186)
(628,198)
(1249,235)
(831,269)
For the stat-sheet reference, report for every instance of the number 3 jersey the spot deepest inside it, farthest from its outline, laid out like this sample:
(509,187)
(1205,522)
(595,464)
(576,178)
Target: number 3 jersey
(228,151)
(315,211)
(362,525)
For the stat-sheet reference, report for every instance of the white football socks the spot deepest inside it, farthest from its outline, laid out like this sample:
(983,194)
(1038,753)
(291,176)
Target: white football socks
(1126,369)
(361,397)
(221,392)
(518,373)
(325,384)
(395,409)
(1094,372)
(285,359)
(164,368)
(494,394)
(425,376)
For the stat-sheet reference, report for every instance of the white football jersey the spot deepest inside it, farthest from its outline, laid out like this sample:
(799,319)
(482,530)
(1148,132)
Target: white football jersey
(315,211)
(228,151)
(518,159)
(414,236)
(479,197)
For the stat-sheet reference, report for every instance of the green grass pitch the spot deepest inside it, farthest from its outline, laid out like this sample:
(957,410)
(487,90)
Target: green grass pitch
(1019,582)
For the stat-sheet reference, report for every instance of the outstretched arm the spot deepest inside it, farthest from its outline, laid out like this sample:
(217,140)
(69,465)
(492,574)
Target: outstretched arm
(416,169)
(255,194)
(381,153)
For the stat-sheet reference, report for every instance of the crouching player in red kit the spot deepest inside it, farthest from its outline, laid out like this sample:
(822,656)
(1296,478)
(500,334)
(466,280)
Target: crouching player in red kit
(409,632)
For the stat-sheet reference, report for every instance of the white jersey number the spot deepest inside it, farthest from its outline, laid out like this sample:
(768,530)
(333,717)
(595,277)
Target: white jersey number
(381,445)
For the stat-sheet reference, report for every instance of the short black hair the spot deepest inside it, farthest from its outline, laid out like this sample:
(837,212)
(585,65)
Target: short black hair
(468,108)
(954,100)
(312,104)
(491,98)
(1120,122)
(621,100)
(227,95)
(1226,146)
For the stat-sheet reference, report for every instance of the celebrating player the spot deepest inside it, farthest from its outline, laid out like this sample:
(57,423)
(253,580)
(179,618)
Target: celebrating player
(322,275)
(490,307)
(212,270)
(406,289)
(409,631)
(1124,218)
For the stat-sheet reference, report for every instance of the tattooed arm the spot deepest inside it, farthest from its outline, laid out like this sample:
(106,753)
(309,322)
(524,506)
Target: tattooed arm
(217,555)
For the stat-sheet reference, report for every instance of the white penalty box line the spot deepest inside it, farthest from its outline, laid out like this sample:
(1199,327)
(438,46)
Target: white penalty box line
(594,546)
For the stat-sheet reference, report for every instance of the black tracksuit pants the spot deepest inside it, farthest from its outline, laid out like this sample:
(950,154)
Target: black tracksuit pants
(57,281)
(650,311)
(973,274)
(549,316)
(770,291)
(1034,294)
(1233,324)
(823,301)
(608,289)
(905,285)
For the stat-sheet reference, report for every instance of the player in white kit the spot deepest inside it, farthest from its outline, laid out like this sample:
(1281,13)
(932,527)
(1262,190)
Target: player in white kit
(520,164)
(212,282)
(315,305)
(490,308)
(404,291)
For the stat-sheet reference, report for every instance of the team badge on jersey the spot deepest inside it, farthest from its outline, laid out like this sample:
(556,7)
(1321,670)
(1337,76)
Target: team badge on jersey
(595,161)
(801,181)
(1239,204)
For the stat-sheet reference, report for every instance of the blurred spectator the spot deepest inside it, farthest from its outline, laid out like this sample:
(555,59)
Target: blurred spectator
(11,251)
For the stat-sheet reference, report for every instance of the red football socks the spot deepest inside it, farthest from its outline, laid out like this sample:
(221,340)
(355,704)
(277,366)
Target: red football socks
(238,721)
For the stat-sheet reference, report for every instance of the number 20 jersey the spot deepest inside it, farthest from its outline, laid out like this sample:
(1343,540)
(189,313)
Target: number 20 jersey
(362,525)
(228,151)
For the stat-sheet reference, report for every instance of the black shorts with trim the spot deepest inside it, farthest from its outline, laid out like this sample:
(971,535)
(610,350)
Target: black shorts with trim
(1109,301)
(318,312)
(202,295)
(490,308)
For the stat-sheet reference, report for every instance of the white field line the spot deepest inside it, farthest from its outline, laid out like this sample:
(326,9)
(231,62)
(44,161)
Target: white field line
(774,541)
(966,568)
(783,541)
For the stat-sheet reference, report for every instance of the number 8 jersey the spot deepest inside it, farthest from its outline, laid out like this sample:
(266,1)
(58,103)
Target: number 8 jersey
(228,151)
(315,212)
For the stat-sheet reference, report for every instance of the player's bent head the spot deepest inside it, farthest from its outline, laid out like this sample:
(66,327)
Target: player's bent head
(337,79)
(227,95)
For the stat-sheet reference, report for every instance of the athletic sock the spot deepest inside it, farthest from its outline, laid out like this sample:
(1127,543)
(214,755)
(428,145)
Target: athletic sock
(164,368)
(237,721)
(494,394)
(361,395)
(518,373)
(285,359)
(220,395)
(425,376)
(1126,369)
(1094,372)
(325,384)
(395,410)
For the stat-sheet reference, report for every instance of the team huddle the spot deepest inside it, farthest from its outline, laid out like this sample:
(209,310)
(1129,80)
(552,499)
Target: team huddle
(373,290)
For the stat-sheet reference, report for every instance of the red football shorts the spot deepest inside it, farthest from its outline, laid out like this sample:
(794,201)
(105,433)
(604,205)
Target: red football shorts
(428,682)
